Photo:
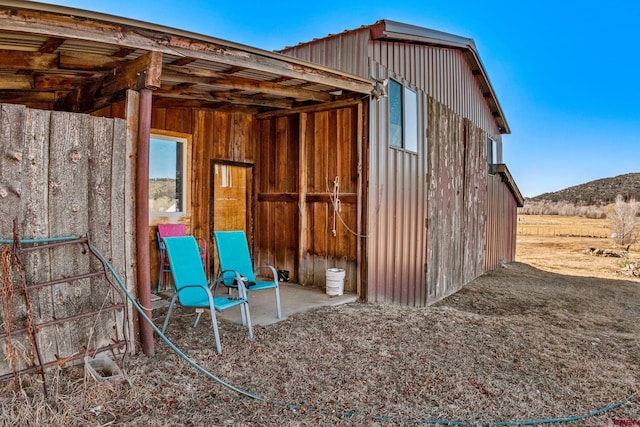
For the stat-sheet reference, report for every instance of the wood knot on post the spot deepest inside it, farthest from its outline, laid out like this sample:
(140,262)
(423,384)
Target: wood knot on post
(75,156)
(15,155)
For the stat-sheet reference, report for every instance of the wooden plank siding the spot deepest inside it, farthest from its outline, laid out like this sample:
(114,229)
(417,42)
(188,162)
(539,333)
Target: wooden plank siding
(296,219)
(67,174)
(291,221)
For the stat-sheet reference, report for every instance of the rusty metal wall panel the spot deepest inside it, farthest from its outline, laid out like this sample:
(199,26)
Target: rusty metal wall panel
(427,209)
(501,224)
(396,243)
(443,74)
(349,57)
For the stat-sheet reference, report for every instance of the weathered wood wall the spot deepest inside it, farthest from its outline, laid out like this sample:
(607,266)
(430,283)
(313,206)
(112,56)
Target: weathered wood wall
(64,174)
(294,159)
(456,202)
(217,136)
(300,159)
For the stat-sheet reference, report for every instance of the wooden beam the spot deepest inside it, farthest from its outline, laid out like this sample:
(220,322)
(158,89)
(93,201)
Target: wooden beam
(87,62)
(213,78)
(186,93)
(15,82)
(58,81)
(26,97)
(51,44)
(123,52)
(18,60)
(309,108)
(147,37)
(141,73)
(181,62)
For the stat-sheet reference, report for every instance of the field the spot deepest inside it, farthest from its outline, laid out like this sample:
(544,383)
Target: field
(554,336)
(559,244)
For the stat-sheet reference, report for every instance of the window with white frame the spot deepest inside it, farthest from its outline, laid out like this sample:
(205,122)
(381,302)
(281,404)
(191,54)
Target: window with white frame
(403,117)
(167,175)
(493,152)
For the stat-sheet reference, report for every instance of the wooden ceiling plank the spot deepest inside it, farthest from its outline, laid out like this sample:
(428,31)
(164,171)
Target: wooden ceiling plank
(152,38)
(15,82)
(87,62)
(212,78)
(191,93)
(18,60)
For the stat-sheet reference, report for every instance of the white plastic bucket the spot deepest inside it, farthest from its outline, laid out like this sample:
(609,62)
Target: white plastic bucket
(335,281)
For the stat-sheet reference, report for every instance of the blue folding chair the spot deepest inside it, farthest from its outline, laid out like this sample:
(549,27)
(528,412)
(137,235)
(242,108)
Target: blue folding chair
(191,288)
(233,254)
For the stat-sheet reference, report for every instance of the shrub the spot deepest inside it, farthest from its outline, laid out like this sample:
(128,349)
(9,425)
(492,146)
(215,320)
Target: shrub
(623,220)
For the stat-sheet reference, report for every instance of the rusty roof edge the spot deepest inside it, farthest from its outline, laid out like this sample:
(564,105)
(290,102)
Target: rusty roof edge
(507,178)
(99,16)
(393,30)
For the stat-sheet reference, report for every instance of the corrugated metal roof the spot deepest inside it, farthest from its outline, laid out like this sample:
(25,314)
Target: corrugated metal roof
(392,31)
(97,46)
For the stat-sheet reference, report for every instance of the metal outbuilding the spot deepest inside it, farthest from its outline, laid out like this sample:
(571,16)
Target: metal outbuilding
(443,213)
(293,147)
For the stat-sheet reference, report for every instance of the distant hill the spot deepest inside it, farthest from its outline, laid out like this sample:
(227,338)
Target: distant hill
(597,193)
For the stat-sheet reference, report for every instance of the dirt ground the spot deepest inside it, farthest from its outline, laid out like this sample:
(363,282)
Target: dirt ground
(519,343)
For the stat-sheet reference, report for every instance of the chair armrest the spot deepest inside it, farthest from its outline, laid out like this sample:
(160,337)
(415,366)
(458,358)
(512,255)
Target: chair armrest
(270,267)
(237,282)
(203,287)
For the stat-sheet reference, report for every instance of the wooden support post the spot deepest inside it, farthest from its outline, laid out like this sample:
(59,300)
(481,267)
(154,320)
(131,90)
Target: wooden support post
(302,199)
(142,220)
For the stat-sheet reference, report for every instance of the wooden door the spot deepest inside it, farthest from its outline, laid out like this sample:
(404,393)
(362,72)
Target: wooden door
(230,201)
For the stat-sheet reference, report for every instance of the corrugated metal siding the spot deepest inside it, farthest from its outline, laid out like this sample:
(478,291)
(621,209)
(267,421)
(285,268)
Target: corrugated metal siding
(428,208)
(501,224)
(443,74)
(349,57)
(396,245)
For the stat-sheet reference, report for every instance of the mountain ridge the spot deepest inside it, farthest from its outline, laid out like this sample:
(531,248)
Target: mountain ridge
(598,192)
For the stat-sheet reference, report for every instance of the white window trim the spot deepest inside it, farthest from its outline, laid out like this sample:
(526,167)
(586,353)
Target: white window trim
(405,121)
(186,140)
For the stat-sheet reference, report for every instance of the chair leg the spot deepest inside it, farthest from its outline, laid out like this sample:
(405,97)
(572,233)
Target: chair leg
(214,323)
(278,306)
(244,309)
(161,272)
(166,319)
(197,319)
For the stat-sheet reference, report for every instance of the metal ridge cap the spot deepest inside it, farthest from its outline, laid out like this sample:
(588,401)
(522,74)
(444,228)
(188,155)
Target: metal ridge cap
(400,30)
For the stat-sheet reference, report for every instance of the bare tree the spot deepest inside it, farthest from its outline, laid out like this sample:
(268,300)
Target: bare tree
(623,220)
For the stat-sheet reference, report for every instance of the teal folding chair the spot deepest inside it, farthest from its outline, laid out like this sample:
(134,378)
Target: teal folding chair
(233,254)
(191,288)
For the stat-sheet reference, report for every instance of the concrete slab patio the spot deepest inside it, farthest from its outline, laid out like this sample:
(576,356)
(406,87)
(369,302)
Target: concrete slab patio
(294,299)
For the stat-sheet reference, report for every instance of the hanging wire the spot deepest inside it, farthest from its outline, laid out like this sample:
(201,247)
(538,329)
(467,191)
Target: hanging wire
(334,197)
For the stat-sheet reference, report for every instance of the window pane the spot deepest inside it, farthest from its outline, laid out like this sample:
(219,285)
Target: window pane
(395,114)
(410,120)
(165,175)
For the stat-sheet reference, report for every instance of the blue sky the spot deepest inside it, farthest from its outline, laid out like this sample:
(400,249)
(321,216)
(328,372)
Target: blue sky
(565,72)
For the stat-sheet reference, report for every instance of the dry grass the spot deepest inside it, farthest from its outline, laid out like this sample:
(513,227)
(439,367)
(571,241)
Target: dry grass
(558,244)
(518,343)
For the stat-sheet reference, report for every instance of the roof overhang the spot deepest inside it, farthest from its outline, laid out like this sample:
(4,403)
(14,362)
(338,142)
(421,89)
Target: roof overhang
(502,170)
(73,59)
(397,31)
